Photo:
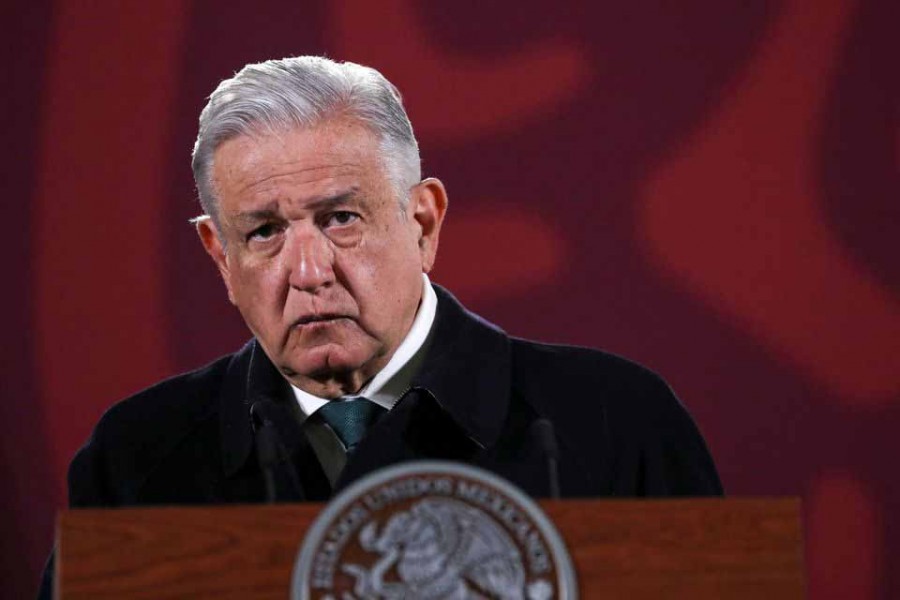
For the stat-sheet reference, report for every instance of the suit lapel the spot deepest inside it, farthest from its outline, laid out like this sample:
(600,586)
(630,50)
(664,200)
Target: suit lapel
(459,401)
(468,370)
(252,377)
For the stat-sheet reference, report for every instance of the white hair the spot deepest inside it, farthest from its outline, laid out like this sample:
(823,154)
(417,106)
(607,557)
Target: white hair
(301,92)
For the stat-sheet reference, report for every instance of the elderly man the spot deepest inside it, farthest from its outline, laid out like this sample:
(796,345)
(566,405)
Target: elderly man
(323,232)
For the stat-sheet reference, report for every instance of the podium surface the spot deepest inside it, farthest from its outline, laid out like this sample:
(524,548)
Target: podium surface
(691,548)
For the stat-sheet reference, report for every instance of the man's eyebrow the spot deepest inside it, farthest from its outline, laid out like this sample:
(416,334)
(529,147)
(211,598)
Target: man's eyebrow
(333,200)
(267,212)
(270,210)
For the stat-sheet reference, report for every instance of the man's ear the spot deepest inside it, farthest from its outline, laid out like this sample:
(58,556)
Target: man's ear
(212,243)
(430,206)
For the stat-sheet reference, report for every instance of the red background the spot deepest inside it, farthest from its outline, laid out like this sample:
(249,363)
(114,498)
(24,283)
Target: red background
(708,187)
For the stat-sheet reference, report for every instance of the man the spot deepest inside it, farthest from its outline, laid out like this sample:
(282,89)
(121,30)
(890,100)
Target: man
(323,231)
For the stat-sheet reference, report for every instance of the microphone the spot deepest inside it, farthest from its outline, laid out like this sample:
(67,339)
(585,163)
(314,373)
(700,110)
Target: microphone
(266,446)
(545,435)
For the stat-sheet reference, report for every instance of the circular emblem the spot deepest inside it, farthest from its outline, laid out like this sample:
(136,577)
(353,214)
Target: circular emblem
(431,530)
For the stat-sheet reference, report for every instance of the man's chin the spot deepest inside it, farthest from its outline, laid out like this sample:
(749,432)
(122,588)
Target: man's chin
(330,365)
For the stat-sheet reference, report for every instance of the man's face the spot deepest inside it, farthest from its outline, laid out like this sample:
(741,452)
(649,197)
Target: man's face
(318,256)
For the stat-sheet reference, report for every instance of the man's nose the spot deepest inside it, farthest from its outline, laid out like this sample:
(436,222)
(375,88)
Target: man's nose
(311,260)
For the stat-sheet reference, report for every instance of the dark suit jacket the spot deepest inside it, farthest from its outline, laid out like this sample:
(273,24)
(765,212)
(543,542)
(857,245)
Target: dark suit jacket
(620,430)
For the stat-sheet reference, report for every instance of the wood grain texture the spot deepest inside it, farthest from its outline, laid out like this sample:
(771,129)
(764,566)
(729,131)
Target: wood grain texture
(621,549)
(684,548)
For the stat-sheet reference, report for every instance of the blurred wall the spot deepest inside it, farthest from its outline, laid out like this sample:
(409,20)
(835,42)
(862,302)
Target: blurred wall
(709,188)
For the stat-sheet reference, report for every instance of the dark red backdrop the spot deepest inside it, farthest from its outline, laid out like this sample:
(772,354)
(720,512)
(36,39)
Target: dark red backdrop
(710,189)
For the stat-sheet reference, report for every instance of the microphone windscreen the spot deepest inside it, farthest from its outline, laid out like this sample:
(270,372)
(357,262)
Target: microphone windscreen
(545,435)
(260,412)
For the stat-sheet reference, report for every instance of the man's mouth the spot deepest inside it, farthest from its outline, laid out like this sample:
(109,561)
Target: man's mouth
(323,318)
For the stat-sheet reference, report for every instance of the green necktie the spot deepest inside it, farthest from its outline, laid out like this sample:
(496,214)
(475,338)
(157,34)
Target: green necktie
(350,418)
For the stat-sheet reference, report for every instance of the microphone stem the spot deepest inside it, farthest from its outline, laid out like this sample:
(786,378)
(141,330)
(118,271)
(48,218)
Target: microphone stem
(269,478)
(553,477)
(267,450)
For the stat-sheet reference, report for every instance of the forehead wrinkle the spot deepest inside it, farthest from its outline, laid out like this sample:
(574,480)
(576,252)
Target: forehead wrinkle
(300,176)
(294,169)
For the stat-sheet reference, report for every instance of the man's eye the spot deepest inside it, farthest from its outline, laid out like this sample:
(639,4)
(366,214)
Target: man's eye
(263,233)
(340,218)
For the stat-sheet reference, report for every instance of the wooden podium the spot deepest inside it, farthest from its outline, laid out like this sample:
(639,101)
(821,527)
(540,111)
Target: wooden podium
(709,548)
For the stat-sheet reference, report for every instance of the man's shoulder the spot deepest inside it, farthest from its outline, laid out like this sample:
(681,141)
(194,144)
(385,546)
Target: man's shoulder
(577,386)
(188,395)
(157,430)
(546,373)
(619,410)
(156,418)
(577,369)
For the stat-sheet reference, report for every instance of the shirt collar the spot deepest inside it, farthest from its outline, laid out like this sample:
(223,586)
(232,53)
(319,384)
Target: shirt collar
(389,384)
